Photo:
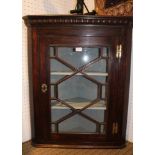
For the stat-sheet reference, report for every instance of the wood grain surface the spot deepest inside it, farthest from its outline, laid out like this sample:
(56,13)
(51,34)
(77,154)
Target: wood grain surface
(28,149)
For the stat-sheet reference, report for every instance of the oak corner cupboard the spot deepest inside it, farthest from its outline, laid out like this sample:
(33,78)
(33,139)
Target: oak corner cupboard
(79,70)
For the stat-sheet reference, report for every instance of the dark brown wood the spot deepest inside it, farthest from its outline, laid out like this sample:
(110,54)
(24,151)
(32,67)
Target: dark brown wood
(30,74)
(45,20)
(27,147)
(56,90)
(79,31)
(105,145)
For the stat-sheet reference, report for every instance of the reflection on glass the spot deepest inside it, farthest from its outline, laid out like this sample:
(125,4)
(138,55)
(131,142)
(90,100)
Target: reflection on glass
(85,58)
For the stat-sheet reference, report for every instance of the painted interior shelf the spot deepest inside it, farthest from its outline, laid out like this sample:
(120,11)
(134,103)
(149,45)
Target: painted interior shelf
(79,103)
(88,73)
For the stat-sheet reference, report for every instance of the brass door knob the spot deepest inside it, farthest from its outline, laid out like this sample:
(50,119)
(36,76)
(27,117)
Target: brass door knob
(44,88)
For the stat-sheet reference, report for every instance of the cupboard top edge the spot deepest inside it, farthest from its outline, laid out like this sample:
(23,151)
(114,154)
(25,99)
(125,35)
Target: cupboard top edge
(46,20)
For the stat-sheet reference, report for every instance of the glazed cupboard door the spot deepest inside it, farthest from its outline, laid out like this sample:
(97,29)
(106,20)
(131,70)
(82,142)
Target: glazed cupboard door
(78,86)
(78,83)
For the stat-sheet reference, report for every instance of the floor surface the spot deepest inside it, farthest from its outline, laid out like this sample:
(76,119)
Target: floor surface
(28,149)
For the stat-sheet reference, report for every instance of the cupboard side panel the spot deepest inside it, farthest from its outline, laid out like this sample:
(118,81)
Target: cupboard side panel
(35,79)
(30,78)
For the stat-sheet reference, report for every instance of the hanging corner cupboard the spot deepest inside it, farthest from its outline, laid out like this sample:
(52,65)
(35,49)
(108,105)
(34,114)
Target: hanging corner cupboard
(79,69)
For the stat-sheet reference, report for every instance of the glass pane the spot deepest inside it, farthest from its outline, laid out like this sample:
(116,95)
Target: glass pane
(103,92)
(105,51)
(95,113)
(51,51)
(77,91)
(58,67)
(58,110)
(102,129)
(77,124)
(52,91)
(98,67)
(101,79)
(80,91)
(55,78)
(71,56)
(53,128)
(99,105)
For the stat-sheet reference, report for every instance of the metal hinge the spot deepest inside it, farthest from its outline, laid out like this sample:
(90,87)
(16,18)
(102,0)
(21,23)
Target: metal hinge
(119,51)
(114,128)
